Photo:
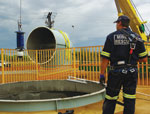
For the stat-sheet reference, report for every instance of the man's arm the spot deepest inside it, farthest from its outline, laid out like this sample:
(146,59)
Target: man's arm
(104,65)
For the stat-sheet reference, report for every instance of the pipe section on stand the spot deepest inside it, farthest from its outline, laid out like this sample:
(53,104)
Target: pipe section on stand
(44,38)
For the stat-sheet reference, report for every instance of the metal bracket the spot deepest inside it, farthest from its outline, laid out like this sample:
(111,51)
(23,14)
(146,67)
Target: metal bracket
(132,70)
(74,79)
(124,71)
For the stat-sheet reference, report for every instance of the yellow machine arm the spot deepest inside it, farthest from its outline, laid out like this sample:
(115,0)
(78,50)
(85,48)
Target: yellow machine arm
(125,7)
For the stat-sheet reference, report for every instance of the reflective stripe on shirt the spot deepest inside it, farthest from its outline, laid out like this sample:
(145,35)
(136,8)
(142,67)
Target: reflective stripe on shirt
(104,53)
(143,54)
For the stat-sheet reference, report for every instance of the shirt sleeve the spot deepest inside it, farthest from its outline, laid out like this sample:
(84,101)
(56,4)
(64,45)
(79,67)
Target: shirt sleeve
(142,51)
(106,53)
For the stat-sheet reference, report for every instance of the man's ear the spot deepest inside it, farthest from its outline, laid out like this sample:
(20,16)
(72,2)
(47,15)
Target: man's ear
(120,23)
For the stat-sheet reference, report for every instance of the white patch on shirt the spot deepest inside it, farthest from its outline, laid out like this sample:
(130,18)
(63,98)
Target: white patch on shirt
(120,39)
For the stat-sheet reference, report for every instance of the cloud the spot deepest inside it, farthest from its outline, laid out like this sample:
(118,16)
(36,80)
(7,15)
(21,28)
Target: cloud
(89,20)
(92,20)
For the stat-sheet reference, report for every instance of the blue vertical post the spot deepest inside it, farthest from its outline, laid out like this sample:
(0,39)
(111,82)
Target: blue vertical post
(20,40)
(20,44)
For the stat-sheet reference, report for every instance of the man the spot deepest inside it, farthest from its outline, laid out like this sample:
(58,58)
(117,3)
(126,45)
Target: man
(123,48)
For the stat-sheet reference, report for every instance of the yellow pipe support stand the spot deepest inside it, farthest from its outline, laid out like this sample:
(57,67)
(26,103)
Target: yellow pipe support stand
(74,61)
(67,43)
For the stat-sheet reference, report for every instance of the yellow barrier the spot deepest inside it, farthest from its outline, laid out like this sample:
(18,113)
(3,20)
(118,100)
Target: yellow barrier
(81,62)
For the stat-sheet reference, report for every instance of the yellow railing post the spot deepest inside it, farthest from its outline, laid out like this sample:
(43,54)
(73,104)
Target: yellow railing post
(74,61)
(37,69)
(2,62)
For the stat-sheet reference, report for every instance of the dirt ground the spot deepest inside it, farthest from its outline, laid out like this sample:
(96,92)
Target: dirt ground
(142,106)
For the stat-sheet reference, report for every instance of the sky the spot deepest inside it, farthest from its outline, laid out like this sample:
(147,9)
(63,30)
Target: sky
(92,19)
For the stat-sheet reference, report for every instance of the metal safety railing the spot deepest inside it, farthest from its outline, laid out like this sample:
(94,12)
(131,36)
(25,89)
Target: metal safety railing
(54,64)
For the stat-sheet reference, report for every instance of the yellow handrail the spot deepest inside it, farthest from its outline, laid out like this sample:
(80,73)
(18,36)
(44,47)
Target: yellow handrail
(83,62)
